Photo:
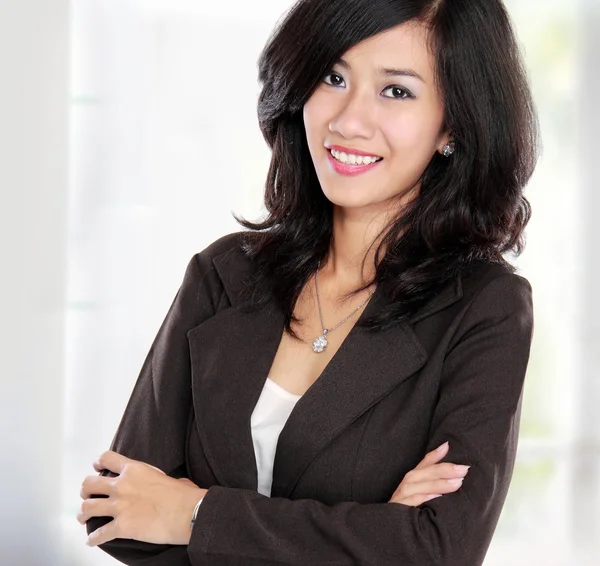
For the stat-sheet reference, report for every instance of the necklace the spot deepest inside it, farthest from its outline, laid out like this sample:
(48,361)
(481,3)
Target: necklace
(320,343)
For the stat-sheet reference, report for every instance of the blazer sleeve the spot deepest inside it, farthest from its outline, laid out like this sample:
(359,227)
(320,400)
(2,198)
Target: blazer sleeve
(478,412)
(153,428)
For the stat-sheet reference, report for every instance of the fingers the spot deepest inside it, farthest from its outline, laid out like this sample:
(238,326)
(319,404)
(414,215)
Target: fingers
(437,478)
(420,492)
(96,485)
(112,461)
(446,470)
(100,507)
(103,534)
(440,486)
(430,479)
(434,456)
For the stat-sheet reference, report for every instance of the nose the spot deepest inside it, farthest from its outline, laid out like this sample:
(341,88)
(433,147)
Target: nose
(355,118)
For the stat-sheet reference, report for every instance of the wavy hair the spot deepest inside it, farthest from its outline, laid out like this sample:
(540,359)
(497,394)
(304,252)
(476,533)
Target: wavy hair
(470,206)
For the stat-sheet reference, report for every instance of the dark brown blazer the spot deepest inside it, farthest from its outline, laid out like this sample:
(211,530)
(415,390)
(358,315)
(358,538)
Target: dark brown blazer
(454,372)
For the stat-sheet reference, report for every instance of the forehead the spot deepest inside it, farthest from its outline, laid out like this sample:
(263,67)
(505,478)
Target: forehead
(403,46)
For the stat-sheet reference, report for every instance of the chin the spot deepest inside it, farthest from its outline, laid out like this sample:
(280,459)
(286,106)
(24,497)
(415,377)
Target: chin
(348,198)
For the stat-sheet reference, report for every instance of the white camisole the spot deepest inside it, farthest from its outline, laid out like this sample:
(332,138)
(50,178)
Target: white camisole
(268,419)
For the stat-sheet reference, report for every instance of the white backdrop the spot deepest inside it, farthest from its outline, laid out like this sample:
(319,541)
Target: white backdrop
(165,144)
(157,131)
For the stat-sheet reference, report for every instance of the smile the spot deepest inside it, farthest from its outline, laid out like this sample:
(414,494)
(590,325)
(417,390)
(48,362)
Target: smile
(354,159)
(351,164)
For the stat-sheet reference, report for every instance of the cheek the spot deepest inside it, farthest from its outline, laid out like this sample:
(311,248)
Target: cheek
(405,135)
(311,114)
(316,113)
(309,124)
(412,130)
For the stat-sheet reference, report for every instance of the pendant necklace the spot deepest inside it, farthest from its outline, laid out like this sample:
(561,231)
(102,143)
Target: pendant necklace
(321,342)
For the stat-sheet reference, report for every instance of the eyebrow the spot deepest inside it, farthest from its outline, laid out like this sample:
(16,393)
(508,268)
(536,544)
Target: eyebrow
(387,72)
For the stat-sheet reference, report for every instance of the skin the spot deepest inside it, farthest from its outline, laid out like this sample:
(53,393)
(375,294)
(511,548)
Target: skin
(399,118)
(146,504)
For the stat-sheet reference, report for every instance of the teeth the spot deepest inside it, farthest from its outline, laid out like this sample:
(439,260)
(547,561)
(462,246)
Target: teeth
(354,159)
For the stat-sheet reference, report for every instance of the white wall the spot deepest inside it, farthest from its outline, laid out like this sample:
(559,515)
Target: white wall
(33,226)
(139,120)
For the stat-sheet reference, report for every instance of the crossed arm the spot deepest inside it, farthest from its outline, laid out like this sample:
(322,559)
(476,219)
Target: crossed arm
(478,413)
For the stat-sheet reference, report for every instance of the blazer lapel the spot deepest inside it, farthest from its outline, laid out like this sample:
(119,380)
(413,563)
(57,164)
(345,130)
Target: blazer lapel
(365,367)
(231,355)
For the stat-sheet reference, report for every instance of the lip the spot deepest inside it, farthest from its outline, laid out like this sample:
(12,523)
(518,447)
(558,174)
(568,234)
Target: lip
(348,168)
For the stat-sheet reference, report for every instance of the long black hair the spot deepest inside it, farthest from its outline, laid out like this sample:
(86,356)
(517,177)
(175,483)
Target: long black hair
(469,207)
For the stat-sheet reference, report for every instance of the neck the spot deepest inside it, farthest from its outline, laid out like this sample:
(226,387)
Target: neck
(355,238)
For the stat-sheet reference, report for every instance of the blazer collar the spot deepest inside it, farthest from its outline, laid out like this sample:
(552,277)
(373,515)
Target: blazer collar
(232,353)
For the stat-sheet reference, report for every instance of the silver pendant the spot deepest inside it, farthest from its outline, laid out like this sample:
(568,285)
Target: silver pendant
(320,343)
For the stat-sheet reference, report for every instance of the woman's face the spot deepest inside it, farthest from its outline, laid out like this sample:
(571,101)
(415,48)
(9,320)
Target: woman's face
(380,100)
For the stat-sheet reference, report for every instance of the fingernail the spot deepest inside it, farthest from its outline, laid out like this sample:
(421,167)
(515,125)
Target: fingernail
(442,447)
(462,469)
(455,481)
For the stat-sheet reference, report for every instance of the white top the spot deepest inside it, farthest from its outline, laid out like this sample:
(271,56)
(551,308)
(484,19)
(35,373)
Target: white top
(268,419)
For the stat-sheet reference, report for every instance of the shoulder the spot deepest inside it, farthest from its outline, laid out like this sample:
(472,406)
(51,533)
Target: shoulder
(484,277)
(222,265)
(227,244)
(494,292)
(225,249)
(480,295)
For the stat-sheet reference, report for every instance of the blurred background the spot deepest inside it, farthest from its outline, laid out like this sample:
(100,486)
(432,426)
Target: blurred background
(129,135)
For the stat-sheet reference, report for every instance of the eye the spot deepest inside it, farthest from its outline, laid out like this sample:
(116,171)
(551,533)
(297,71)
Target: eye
(337,79)
(399,92)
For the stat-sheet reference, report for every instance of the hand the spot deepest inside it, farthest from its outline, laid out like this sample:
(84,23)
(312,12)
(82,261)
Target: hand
(429,480)
(146,504)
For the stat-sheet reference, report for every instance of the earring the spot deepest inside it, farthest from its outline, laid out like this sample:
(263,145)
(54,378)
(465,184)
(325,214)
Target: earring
(448,149)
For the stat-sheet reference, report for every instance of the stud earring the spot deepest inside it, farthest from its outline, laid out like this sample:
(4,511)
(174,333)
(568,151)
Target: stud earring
(448,149)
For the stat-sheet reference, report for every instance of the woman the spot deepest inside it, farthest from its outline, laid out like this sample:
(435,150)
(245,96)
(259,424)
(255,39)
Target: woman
(319,376)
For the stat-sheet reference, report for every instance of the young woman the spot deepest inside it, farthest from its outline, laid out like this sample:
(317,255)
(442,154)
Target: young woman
(342,382)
